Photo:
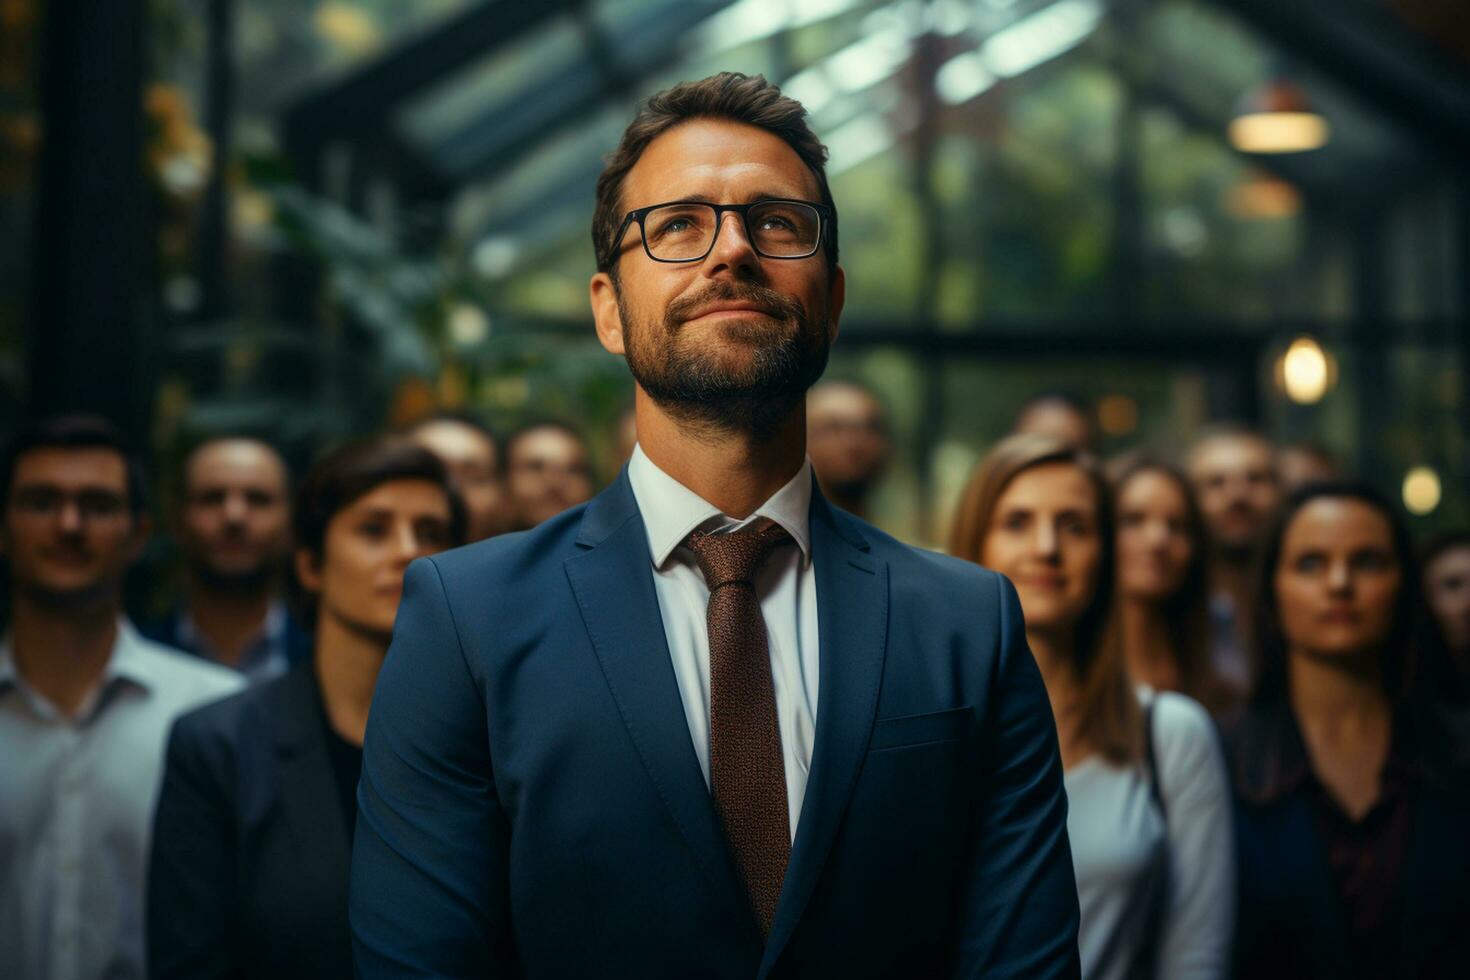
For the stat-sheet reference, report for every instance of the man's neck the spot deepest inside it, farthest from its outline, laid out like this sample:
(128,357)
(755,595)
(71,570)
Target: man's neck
(347,662)
(731,470)
(1231,574)
(62,652)
(229,621)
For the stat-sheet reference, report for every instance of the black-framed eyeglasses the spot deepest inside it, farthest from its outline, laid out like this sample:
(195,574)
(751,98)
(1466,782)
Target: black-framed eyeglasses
(685,231)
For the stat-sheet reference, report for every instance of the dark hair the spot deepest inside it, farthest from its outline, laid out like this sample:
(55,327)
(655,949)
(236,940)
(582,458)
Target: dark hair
(74,432)
(1187,611)
(748,99)
(1112,722)
(1442,542)
(349,472)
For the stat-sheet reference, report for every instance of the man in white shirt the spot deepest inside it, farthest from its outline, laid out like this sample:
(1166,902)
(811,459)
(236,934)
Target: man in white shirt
(706,724)
(85,708)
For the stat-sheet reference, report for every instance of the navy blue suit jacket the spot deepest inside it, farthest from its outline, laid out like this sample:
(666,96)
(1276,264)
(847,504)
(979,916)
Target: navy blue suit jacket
(531,803)
(248,872)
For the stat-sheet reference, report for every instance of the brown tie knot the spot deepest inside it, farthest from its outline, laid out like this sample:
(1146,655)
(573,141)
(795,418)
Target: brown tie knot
(732,559)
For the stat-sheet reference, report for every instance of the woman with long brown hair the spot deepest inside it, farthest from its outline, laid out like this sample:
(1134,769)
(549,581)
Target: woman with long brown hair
(1163,592)
(1149,806)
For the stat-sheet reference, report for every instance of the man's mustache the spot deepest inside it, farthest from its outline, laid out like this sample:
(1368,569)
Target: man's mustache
(767,301)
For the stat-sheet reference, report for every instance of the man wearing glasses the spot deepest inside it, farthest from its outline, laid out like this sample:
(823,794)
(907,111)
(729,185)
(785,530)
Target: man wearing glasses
(85,707)
(708,725)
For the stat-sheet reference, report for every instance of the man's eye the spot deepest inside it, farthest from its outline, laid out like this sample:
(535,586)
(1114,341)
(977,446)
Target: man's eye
(100,504)
(372,529)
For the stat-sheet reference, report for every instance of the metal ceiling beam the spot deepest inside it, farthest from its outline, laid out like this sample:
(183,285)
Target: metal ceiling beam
(508,131)
(360,105)
(1368,50)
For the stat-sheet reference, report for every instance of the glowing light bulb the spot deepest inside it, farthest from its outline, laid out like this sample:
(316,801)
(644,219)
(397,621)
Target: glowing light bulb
(1305,371)
(1422,490)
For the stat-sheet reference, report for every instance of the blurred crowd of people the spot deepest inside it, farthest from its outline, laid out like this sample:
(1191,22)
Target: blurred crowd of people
(1257,680)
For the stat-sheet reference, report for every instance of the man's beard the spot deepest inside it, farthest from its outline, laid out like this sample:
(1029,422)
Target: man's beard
(688,381)
(237,582)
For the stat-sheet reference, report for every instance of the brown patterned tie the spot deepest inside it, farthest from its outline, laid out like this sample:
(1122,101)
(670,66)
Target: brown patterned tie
(746,773)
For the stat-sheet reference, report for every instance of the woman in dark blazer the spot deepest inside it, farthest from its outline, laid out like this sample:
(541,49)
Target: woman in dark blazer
(1353,819)
(252,835)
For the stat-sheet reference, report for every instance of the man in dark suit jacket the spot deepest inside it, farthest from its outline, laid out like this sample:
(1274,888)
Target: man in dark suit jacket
(707,725)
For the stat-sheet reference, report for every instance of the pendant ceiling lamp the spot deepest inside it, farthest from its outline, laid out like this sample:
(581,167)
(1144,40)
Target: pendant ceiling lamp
(1277,117)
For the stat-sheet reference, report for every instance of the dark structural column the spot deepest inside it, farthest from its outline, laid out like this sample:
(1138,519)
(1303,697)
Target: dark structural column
(86,342)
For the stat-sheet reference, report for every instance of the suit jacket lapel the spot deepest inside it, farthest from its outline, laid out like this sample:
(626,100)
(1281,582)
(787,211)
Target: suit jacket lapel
(852,627)
(312,808)
(613,582)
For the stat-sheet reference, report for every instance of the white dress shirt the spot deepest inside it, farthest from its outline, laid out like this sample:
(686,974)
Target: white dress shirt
(785,585)
(76,809)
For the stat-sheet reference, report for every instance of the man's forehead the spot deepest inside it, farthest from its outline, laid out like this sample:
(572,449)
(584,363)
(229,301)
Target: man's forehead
(1232,452)
(718,159)
(234,458)
(72,466)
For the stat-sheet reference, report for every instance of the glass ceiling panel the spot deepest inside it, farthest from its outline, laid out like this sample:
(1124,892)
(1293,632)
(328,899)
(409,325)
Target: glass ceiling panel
(1029,99)
(284,47)
(515,72)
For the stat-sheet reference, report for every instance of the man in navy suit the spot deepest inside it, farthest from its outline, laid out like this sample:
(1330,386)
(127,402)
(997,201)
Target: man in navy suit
(707,725)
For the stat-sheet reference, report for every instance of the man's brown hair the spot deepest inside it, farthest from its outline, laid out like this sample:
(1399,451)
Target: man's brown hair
(748,99)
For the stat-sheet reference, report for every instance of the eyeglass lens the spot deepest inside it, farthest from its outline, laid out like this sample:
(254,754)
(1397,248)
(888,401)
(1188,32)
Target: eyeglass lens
(776,228)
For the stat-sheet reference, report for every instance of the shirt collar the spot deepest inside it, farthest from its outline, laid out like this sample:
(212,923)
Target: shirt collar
(129,660)
(671,510)
(129,663)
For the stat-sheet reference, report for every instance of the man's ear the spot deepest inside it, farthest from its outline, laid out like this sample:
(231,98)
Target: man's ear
(836,297)
(603,293)
(308,570)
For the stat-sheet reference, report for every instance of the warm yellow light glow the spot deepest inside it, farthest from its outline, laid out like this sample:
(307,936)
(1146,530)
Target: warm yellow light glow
(1422,491)
(348,27)
(1279,132)
(1305,371)
(1263,198)
(1117,415)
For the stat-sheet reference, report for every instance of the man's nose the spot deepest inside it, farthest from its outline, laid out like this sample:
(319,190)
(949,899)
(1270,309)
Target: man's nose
(235,508)
(70,516)
(732,249)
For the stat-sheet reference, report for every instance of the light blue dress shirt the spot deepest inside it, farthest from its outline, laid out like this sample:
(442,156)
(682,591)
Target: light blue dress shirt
(76,809)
